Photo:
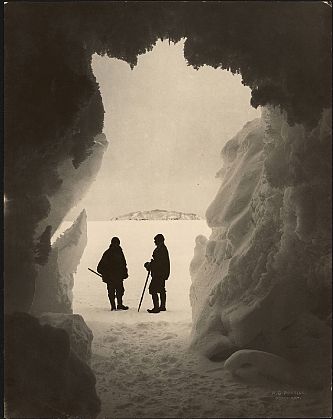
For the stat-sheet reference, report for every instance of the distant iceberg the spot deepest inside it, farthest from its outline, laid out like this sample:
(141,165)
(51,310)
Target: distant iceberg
(157,215)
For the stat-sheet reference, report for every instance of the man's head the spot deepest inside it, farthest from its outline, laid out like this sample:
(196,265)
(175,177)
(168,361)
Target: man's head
(159,239)
(115,241)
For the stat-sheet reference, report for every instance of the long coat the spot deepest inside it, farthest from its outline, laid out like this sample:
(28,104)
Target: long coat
(160,263)
(112,266)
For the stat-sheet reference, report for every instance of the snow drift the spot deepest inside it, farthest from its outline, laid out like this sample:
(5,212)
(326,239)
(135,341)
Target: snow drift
(263,282)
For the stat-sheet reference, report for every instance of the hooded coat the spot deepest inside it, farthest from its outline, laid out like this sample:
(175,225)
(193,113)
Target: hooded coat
(112,266)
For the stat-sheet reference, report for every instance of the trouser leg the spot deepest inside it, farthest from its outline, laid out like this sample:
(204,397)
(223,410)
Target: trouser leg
(119,297)
(154,297)
(111,295)
(163,300)
(119,294)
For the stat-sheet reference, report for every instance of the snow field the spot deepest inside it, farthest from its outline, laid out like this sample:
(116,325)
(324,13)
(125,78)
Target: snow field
(145,370)
(136,237)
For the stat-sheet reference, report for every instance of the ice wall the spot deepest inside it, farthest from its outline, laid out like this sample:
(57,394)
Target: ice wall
(264,280)
(75,183)
(55,280)
(44,376)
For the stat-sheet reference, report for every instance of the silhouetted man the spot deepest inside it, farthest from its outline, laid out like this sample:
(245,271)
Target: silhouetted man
(159,267)
(113,269)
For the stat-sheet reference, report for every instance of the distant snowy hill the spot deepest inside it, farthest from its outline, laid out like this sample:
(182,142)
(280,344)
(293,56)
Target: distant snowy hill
(157,215)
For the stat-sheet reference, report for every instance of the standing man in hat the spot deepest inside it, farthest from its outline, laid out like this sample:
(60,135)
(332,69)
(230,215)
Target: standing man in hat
(113,269)
(159,267)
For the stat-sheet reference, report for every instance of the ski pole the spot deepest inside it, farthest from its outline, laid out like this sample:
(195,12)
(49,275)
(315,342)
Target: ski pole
(143,292)
(95,272)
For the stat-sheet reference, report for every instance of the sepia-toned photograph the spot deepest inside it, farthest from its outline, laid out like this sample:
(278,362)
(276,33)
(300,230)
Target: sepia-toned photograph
(167,209)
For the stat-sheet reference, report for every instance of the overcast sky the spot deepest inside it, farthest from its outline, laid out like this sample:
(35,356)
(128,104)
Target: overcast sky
(166,124)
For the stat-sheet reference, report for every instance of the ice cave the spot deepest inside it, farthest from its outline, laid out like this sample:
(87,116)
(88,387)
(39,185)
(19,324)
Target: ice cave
(257,342)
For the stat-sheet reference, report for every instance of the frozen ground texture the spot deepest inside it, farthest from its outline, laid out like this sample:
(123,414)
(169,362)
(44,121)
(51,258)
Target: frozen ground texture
(262,280)
(142,362)
(145,370)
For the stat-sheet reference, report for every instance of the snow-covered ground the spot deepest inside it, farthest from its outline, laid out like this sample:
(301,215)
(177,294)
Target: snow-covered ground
(142,362)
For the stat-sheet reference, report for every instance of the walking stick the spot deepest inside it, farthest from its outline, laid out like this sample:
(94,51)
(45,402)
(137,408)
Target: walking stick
(95,272)
(143,292)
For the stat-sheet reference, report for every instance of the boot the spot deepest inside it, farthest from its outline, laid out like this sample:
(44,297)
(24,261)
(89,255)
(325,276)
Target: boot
(163,301)
(113,305)
(155,309)
(120,305)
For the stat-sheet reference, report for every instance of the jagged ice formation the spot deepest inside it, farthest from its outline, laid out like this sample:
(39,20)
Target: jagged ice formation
(262,280)
(55,280)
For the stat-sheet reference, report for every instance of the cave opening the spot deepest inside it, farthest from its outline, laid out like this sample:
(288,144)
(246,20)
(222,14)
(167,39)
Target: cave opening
(166,124)
(284,56)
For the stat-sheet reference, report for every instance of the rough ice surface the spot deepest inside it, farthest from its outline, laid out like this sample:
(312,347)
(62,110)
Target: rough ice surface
(44,378)
(80,336)
(262,279)
(55,280)
(75,182)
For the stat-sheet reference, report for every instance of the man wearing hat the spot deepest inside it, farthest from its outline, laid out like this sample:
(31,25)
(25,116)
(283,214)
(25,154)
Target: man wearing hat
(159,267)
(113,269)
